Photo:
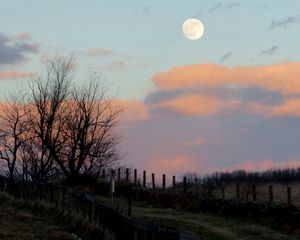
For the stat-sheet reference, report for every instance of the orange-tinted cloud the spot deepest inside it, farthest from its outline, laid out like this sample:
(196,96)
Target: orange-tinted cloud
(21,36)
(278,77)
(196,142)
(133,110)
(97,52)
(170,164)
(191,105)
(289,107)
(197,105)
(14,74)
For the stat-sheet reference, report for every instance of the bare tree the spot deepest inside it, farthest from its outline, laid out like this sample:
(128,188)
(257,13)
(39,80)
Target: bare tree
(91,134)
(13,130)
(48,96)
(76,126)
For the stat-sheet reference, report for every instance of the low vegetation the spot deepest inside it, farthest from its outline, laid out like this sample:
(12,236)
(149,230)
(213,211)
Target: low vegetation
(20,222)
(204,225)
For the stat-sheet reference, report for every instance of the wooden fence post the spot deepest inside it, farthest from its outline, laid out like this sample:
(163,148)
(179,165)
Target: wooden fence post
(289,196)
(103,175)
(57,197)
(51,194)
(184,184)
(164,182)
(144,179)
(129,199)
(210,188)
(119,174)
(135,177)
(238,191)
(153,181)
(271,194)
(63,199)
(253,192)
(222,191)
(174,182)
(127,175)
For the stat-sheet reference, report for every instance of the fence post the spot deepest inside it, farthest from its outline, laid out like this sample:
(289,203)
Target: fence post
(144,179)
(51,194)
(222,191)
(174,182)
(253,192)
(127,175)
(135,177)
(289,196)
(63,199)
(184,184)
(238,191)
(57,197)
(119,175)
(209,188)
(164,182)
(271,194)
(129,199)
(103,175)
(153,181)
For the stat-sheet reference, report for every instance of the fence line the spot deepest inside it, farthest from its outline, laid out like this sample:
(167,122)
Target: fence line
(89,209)
(188,187)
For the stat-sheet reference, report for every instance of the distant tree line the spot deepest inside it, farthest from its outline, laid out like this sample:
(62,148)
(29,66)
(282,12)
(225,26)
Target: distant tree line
(57,129)
(284,175)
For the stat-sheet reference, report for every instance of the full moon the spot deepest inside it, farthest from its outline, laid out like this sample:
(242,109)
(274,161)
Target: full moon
(192,29)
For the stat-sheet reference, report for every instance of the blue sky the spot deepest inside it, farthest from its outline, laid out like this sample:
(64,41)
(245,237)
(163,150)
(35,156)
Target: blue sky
(147,34)
(130,42)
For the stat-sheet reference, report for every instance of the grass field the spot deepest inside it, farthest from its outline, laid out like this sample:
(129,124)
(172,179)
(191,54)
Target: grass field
(19,223)
(262,190)
(205,226)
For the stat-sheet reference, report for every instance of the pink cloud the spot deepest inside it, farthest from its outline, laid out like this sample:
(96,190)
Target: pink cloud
(133,110)
(198,105)
(14,74)
(169,164)
(21,36)
(278,77)
(289,107)
(196,142)
(97,52)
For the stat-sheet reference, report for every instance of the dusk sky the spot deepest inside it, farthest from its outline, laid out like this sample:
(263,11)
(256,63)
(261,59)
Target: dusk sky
(229,100)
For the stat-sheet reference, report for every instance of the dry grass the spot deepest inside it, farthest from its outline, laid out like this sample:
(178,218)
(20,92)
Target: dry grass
(279,192)
(206,226)
(18,223)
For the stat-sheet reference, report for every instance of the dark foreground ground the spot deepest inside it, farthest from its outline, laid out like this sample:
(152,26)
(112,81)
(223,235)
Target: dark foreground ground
(19,223)
(205,225)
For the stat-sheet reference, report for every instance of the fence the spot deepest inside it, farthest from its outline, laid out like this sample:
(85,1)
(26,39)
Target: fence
(240,191)
(88,208)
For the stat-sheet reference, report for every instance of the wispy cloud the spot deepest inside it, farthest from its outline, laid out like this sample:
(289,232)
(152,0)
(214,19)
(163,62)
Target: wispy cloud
(284,23)
(12,51)
(223,6)
(269,51)
(145,10)
(225,57)
(21,36)
(115,65)
(96,52)
(190,143)
(13,74)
